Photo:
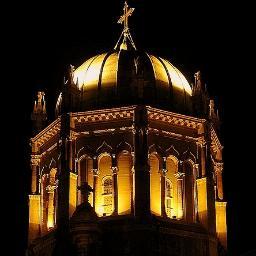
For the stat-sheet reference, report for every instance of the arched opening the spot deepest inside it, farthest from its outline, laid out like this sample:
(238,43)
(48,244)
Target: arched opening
(155,185)
(124,182)
(85,174)
(104,186)
(52,195)
(172,206)
(189,195)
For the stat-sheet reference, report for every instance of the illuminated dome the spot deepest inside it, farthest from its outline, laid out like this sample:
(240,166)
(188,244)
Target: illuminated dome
(127,76)
(124,77)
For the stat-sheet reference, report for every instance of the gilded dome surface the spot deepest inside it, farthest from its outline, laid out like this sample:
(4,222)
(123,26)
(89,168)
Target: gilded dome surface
(124,77)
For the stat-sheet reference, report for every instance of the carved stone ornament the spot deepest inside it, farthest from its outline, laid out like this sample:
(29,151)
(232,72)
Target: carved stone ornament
(179,175)
(35,159)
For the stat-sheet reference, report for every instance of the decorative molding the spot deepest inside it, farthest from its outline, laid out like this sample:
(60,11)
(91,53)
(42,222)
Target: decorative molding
(155,114)
(156,149)
(218,168)
(215,140)
(103,131)
(104,115)
(114,169)
(54,163)
(221,204)
(179,175)
(172,151)
(35,159)
(123,145)
(188,155)
(73,175)
(104,147)
(34,197)
(47,133)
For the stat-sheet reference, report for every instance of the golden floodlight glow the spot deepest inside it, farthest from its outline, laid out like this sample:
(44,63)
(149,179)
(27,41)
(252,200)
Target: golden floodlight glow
(90,72)
(178,80)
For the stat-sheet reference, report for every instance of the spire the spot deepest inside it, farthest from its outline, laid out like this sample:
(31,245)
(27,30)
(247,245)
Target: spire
(214,116)
(211,109)
(198,83)
(39,115)
(125,35)
(200,96)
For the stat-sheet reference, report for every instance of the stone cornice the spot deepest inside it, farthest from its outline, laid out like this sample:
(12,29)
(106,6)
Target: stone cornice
(172,134)
(103,115)
(35,159)
(155,114)
(121,114)
(45,135)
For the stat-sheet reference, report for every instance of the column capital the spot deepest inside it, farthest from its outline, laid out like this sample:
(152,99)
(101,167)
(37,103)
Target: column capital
(114,170)
(179,175)
(95,171)
(163,171)
(196,166)
(218,168)
(35,159)
(201,141)
(51,188)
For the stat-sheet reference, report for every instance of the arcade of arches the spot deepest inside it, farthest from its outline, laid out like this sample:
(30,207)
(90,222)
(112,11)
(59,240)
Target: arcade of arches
(173,191)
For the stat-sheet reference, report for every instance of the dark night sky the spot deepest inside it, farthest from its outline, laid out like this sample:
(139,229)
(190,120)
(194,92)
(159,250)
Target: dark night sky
(193,36)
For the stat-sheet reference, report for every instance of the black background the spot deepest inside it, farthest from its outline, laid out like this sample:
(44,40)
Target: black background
(45,38)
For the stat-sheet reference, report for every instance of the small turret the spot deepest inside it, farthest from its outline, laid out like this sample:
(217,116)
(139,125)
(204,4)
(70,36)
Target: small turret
(39,115)
(214,116)
(200,96)
(70,92)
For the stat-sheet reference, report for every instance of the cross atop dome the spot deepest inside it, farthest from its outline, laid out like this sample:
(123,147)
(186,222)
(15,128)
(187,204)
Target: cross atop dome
(124,19)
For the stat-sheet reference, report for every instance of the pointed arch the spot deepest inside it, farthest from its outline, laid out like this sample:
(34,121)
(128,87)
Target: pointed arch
(156,149)
(85,150)
(188,155)
(53,164)
(124,182)
(85,174)
(104,170)
(190,197)
(172,151)
(155,184)
(171,201)
(104,148)
(124,146)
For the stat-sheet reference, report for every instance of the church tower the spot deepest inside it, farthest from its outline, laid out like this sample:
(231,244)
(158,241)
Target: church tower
(132,164)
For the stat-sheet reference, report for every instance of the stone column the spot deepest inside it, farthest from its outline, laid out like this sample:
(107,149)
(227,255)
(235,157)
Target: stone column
(132,184)
(180,186)
(196,173)
(141,166)
(115,188)
(218,168)
(202,145)
(51,213)
(163,177)
(95,180)
(35,165)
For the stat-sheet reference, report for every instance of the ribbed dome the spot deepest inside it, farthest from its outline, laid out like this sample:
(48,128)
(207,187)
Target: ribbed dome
(124,77)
